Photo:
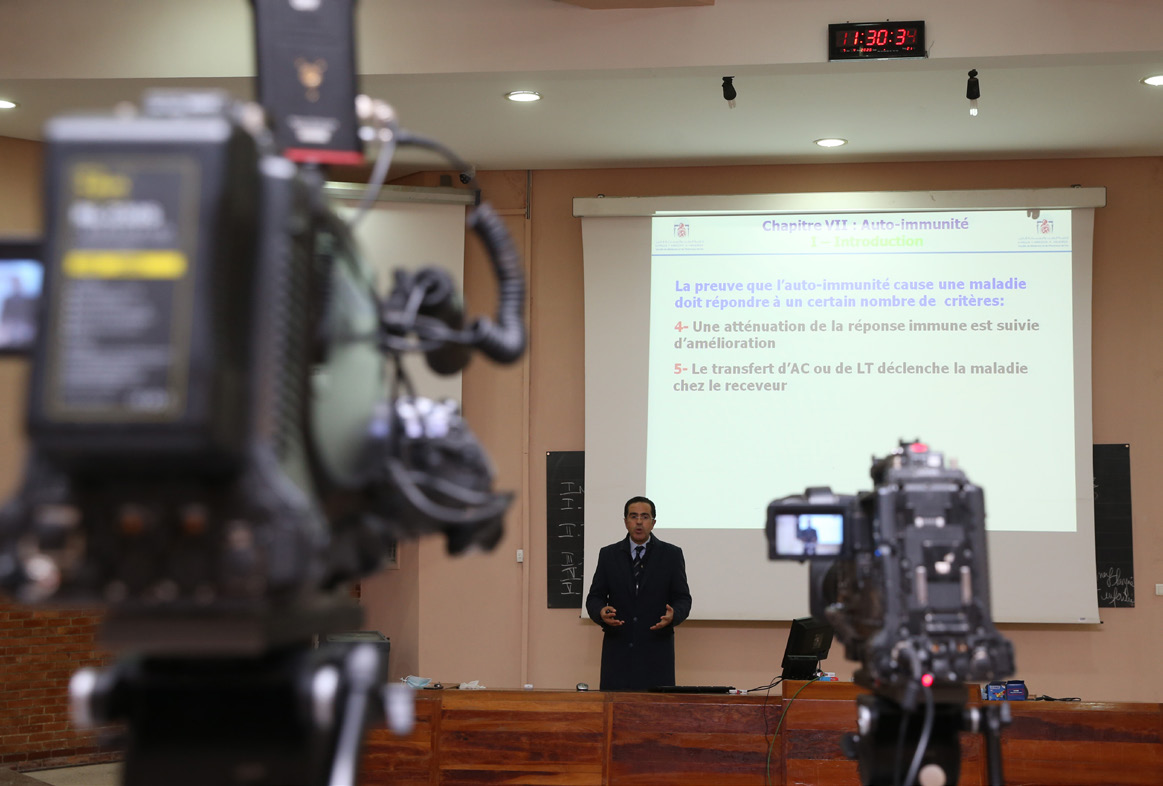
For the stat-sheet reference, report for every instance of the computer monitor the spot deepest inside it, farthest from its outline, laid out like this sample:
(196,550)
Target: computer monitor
(351,638)
(808,643)
(21,282)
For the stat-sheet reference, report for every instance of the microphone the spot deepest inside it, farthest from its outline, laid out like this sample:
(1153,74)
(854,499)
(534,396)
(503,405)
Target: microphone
(438,303)
(502,340)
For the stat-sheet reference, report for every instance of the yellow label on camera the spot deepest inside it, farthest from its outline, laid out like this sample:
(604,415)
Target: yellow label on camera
(94,181)
(125,264)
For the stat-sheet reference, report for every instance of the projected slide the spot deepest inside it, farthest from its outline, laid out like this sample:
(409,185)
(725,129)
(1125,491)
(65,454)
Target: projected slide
(783,348)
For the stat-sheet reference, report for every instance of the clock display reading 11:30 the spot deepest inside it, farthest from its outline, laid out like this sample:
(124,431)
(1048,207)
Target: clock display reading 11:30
(876,40)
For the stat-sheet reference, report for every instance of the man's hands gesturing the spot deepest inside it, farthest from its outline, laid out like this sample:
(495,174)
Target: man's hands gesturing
(665,619)
(610,617)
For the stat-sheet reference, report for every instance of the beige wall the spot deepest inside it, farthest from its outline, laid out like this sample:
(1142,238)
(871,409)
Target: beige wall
(20,209)
(483,616)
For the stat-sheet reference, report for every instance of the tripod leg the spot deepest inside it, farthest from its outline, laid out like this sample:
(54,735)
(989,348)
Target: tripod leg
(363,670)
(996,717)
(290,717)
(880,721)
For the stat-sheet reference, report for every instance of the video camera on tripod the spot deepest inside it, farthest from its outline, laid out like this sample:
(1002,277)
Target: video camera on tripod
(901,574)
(216,444)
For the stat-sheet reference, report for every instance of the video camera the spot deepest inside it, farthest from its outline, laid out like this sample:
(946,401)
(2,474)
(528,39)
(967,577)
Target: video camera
(218,442)
(208,415)
(901,574)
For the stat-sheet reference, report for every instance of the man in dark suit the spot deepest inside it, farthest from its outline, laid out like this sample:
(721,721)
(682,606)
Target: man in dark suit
(638,595)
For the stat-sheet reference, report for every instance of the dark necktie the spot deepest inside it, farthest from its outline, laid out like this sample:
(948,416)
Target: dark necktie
(638,550)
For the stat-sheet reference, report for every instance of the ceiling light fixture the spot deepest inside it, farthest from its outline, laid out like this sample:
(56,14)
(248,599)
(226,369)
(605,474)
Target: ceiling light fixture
(523,96)
(5,104)
(831,141)
(1155,80)
(729,91)
(972,92)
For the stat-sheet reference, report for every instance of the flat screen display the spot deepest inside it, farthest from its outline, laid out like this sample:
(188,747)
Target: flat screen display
(21,282)
(809,534)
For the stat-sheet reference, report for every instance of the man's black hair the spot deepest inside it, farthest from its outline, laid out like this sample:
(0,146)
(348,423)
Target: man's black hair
(632,500)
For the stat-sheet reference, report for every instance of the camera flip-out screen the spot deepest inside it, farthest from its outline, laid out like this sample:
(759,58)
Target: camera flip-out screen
(804,532)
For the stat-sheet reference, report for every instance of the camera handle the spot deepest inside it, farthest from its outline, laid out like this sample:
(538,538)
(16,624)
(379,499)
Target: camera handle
(888,735)
(291,716)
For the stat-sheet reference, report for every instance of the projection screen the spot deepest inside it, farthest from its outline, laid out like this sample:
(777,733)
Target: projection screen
(743,348)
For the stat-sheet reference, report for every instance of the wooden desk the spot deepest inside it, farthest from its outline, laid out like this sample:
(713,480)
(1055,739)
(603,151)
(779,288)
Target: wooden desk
(623,739)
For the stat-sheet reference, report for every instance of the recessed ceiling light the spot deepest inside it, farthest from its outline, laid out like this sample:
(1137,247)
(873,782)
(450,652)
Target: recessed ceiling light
(4,104)
(1156,80)
(831,142)
(523,95)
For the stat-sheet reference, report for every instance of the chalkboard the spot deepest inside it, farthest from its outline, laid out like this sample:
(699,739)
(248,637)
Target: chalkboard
(1114,551)
(565,473)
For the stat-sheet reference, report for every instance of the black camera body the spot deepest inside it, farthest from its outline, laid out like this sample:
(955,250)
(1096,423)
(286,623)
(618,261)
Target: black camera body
(901,573)
(213,448)
(168,472)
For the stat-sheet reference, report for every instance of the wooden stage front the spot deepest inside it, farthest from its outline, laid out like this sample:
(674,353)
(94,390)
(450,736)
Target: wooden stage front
(619,739)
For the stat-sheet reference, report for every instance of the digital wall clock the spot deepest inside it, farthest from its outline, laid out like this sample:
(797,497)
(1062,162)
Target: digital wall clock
(876,40)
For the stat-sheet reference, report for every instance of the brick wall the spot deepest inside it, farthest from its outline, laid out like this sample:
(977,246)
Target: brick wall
(39,651)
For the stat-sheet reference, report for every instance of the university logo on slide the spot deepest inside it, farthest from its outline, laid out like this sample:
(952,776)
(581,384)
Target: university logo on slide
(1045,226)
(682,229)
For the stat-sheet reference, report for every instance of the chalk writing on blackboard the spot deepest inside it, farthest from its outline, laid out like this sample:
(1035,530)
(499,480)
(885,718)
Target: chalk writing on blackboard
(565,528)
(1114,589)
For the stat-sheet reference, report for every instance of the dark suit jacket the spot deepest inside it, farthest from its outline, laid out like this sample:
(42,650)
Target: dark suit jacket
(633,656)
